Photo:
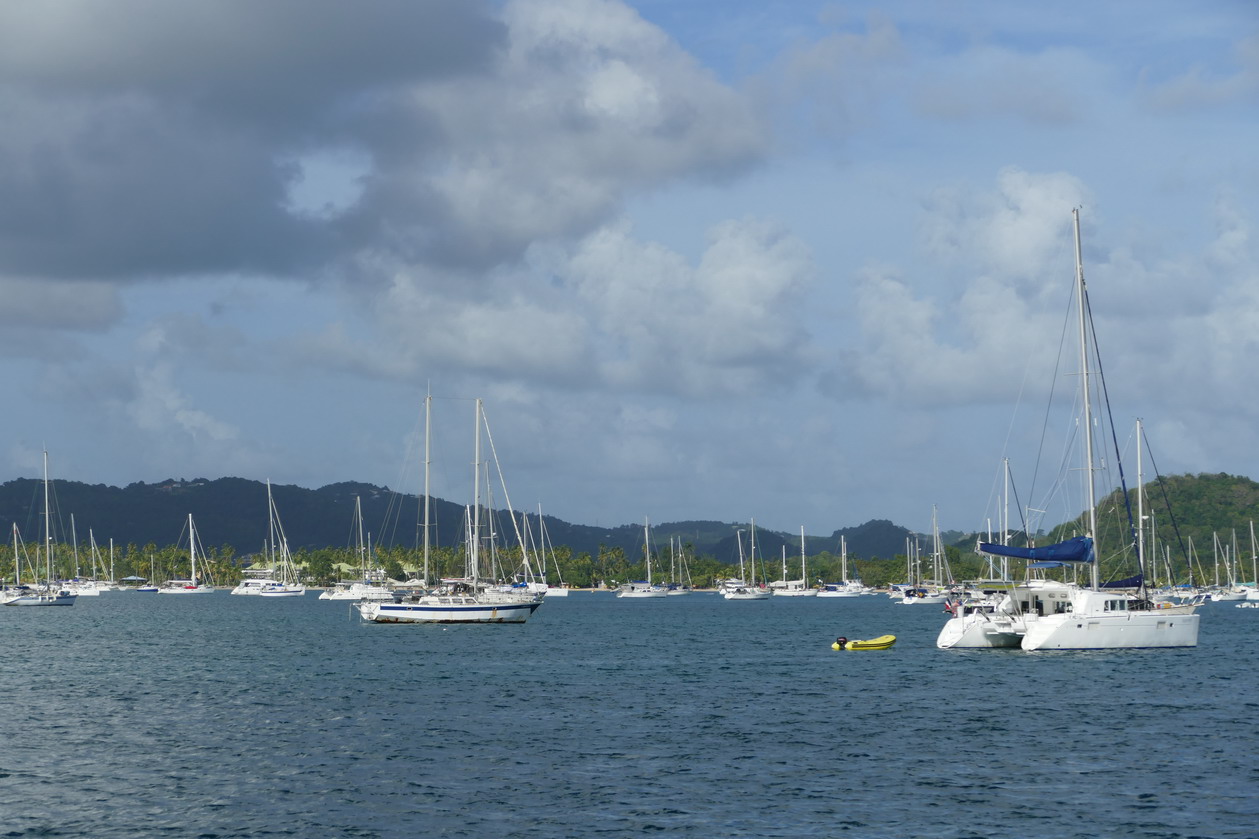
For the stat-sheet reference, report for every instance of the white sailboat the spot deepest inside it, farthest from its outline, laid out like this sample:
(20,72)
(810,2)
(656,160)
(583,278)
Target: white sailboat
(742,589)
(845,587)
(679,570)
(52,593)
(547,549)
(1066,616)
(191,585)
(371,583)
(794,588)
(471,599)
(644,588)
(287,584)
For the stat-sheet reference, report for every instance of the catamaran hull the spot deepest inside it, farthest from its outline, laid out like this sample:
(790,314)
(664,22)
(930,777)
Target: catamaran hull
(1129,630)
(978,633)
(441,613)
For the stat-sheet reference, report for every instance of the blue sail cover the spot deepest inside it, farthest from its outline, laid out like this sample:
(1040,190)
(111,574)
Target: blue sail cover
(1079,549)
(1127,582)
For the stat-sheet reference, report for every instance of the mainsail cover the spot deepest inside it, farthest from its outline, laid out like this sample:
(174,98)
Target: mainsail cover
(1079,549)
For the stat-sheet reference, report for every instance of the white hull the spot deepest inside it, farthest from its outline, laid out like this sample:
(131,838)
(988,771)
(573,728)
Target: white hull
(924,600)
(746,594)
(980,631)
(795,592)
(450,609)
(186,590)
(643,592)
(251,588)
(59,599)
(360,593)
(283,591)
(1115,631)
(557,591)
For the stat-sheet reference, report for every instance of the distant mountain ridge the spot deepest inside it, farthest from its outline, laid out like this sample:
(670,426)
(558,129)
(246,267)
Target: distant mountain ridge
(233,511)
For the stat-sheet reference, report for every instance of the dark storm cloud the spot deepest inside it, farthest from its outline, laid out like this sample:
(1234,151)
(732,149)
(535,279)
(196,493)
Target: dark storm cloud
(143,138)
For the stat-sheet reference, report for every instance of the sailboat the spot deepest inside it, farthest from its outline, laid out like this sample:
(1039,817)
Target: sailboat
(190,585)
(794,588)
(371,583)
(149,586)
(1066,616)
(472,598)
(51,594)
(288,584)
(741,589)
(845,587)
(547,548)
(679,570)
(644,588)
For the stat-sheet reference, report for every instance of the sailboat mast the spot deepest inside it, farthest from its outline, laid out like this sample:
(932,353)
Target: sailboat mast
(1140,509)
(647,550)
(428,439)
(47,529)
(476,496)
(803,574)
(192,545)
(1005,524)
(1088,408)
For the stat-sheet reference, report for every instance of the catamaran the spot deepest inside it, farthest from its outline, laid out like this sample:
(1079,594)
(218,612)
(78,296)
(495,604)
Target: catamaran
(1059,615)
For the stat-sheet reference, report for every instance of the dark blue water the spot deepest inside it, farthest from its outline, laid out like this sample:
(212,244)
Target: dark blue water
(134,715)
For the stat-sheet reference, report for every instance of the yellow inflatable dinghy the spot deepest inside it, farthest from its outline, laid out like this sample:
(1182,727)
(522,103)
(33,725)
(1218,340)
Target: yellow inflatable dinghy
(880,643)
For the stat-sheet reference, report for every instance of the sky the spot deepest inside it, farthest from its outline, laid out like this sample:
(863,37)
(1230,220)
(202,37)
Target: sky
(798,263)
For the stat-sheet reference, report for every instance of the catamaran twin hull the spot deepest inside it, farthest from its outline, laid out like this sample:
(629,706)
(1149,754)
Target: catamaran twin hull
(449,612)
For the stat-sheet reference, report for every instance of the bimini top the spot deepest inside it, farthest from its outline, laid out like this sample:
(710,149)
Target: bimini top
(1079,549)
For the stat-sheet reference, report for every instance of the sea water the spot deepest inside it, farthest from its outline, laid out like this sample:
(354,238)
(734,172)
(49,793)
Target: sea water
(138,715)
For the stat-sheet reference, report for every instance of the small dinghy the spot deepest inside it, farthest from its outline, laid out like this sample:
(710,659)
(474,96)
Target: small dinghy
(880,643)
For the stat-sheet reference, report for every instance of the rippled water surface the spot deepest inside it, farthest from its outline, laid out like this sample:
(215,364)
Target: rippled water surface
(220,716)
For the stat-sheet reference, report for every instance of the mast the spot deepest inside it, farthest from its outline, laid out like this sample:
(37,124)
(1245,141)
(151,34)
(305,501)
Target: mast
(428,437)
(17,563)
(1254,558)
(803,574)
(1088,408)
(47,530)
(752,550)
(476,496)
(647,550)
(358,521)
(1140,510)
(1005,525)
(192,544)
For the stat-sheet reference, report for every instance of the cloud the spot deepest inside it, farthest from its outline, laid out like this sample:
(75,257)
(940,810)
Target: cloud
(1199,89)
(448,135)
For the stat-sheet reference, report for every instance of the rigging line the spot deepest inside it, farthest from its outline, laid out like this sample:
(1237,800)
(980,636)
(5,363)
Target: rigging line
(1114,438)
(1044,429)
(1167,501)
